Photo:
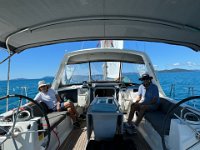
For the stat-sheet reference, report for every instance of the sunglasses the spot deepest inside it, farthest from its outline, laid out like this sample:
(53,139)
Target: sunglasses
(145,80)
(43,86)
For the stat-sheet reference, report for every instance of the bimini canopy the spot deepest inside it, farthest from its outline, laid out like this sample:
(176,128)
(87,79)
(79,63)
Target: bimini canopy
(25,23)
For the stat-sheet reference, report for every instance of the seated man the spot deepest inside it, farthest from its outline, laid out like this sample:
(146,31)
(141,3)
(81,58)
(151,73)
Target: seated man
(147,99)
(49,97)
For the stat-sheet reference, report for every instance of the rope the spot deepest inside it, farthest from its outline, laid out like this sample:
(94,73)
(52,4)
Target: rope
(55,135)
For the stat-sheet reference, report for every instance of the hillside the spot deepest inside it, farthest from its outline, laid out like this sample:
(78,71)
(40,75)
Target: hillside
(177,70)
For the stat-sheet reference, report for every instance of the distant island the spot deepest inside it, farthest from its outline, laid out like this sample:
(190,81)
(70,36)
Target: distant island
(20,79)
(128,73)
(47,77)
(178,70)
(43,78)
(169,71)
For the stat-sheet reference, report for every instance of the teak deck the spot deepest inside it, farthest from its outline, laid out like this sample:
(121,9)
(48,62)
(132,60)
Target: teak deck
(77,140)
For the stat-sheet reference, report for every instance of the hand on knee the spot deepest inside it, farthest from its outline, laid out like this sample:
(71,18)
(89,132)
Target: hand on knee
(69,109)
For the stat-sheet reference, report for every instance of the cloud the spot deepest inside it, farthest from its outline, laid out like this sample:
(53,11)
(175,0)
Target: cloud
(190,64)
(176,64)
(155,66)
(186,64)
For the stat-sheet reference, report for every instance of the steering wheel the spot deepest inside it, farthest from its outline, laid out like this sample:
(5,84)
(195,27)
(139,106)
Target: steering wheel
(170,112)
(9,130)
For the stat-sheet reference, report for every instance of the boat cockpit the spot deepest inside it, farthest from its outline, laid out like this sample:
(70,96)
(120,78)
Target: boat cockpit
(102,83)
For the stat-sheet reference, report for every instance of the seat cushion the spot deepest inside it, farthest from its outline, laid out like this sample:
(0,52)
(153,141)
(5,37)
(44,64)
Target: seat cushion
(165,105)
(156,118)
(54,119)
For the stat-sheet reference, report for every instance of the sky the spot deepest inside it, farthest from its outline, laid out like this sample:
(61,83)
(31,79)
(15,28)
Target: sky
(44,61)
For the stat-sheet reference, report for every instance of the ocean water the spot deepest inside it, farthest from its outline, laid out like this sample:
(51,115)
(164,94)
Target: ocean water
(26,87)
(185,84)
(178,85)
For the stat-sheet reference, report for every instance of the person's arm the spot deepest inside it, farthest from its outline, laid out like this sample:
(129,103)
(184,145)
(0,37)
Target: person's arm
(156,95)
(29,104)
(154,100)
(37,98)
(58,102)
(138,98)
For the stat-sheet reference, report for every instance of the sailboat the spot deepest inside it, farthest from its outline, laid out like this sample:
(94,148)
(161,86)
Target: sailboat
(101,95)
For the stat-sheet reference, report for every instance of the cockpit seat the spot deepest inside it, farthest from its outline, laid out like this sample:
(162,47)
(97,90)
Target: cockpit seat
(156,118)
(55,118)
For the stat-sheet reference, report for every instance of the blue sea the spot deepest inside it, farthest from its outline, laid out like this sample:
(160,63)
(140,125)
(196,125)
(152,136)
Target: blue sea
(177,85)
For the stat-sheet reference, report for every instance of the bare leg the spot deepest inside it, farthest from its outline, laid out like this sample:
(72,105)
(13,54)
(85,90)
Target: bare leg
(143,108)
(71,114)
(134,107)
(71,109)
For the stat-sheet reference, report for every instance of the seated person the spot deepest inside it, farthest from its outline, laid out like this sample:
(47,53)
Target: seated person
(147,99)
(52,100)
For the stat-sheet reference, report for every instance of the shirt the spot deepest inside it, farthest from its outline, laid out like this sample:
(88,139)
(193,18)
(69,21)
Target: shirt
(148,93)
(49,98)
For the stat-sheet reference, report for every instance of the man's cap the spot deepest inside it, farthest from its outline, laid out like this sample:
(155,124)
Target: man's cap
(145,77)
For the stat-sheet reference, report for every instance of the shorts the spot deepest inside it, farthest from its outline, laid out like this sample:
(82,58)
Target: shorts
(62,107)
(151,107)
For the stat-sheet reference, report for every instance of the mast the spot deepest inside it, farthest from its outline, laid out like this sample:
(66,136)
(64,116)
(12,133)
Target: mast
(107,72)
(106,44)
